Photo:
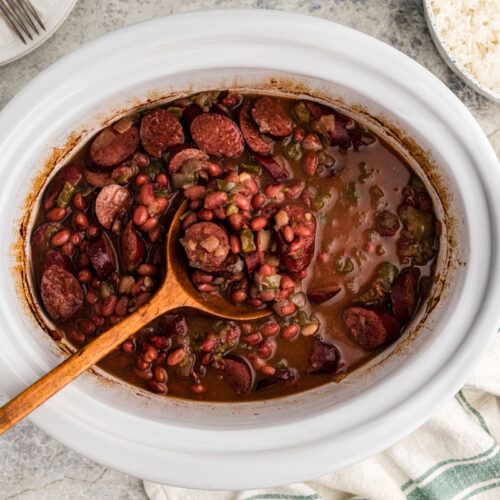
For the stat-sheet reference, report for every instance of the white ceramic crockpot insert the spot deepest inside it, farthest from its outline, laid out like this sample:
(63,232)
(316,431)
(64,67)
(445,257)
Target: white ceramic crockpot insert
(248,445)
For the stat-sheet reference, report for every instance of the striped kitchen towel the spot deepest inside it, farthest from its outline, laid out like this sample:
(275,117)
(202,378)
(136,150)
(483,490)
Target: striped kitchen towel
(454,456)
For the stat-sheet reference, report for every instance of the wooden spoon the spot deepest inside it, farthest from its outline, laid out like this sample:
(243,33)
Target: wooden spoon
(176,293)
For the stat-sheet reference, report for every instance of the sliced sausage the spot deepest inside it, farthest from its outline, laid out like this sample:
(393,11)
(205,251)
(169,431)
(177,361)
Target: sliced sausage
(112,201)
(102,256)
(320,295)
(206,245)
(340,136)
(98,179)
(297,260)
(272,167)
(217,135)
(39,237)
(371,327)
(61,292)
(111,147)
(171,326)
(55,258)
(132,248)
(271,117)
(250,132)
(180,154)
(404,294)
(160,130)
(324,357)
(252,262)
(284,376)
(71,174)
(237,373)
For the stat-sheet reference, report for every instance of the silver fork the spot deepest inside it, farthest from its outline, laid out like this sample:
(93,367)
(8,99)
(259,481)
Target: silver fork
(20,15)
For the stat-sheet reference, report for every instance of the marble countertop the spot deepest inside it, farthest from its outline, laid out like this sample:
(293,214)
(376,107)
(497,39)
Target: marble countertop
(34,466)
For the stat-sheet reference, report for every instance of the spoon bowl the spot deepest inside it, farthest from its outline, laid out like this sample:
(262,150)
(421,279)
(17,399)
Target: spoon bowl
(176,293)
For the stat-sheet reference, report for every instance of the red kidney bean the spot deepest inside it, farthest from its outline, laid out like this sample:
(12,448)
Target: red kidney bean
(265,349)
(310,163)
(91,298)
(288,234)
(302,231)
(79,202)
(140,215)
(68,248)
(215,199)
(268,370)
(258,223)
(237,221)
(266,270)
(199,388)
(258,200)
(76,238)
(206,287)
(142,298)
(122,306)
(205,214)
(114,319)
(294,190)
(95,283)
(246,328)
(269,329)
(108,305)
(155,234)
(86,326)
(150,353)
(147,270)
(147,194)
(288,308)
(161,180)
(144,374)
(296,245)
(253,338)
(286,282)
(159,373)
(311,142)
(128,347)
(194,192)
(209,342)
(157,387)
(150,224)
(238,296)
(76,336)
(140,362)
(85,276)
(274,191)
(97,320)
(214,170)
(195,204)
(176,357)
(92,231)
(202,277)
(254,302)
(190,219)
(234,244)
(298,134)
(140,159)
(256,362)
(140,180)
(267,295)
(56,214)
(290,331)
(242,202)
(60,238)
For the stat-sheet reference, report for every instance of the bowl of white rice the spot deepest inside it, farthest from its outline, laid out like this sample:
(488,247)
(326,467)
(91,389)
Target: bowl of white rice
(467,35)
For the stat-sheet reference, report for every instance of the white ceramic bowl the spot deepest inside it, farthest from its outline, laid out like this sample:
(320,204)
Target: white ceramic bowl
(234,446)
(449,57)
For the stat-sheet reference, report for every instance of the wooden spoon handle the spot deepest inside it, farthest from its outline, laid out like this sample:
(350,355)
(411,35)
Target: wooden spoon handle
(31,398)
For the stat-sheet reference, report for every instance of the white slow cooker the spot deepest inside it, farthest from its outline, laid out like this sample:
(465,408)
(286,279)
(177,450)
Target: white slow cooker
(258,444)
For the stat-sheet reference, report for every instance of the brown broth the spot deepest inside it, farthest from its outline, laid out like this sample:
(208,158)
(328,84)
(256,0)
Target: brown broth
(344,230)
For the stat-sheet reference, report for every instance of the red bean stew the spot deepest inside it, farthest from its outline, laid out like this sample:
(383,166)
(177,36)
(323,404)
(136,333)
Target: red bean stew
(293,206)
